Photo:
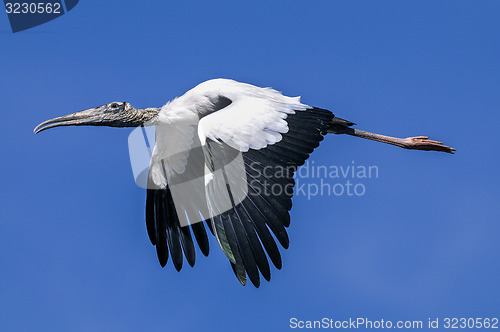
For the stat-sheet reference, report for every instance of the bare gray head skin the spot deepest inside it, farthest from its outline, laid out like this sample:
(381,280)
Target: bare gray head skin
(115,114)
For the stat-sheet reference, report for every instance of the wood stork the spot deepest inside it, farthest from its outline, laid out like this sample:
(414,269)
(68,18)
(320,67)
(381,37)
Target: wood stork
(226,119)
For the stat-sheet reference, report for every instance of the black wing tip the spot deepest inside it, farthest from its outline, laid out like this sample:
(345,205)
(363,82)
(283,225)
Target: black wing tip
(190,261)
(162,258)
(177,263)
(164,230)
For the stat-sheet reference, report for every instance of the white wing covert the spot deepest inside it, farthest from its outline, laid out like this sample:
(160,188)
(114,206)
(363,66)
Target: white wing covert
(253,120)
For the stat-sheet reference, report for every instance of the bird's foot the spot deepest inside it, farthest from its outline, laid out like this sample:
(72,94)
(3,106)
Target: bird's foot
(424,143)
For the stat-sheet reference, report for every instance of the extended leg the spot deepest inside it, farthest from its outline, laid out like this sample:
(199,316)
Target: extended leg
(413,143)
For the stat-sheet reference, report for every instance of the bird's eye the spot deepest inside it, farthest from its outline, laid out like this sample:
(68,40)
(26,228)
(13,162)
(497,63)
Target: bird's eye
(114,105)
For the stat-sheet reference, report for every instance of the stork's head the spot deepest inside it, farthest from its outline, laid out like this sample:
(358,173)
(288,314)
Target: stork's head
(115,114)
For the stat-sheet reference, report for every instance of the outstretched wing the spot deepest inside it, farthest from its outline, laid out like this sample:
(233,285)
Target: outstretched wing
(270,155)
(234,169)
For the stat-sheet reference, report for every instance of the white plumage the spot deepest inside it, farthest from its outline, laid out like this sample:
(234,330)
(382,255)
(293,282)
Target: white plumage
(254,119)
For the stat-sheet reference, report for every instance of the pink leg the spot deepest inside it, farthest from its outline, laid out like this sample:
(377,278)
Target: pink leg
(412,143)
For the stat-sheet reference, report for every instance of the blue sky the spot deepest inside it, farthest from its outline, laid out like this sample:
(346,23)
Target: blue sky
(422,242)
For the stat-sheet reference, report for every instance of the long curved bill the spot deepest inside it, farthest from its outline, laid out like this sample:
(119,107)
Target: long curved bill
(89,117)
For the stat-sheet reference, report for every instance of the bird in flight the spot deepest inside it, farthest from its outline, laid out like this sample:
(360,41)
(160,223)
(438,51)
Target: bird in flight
(225,154)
